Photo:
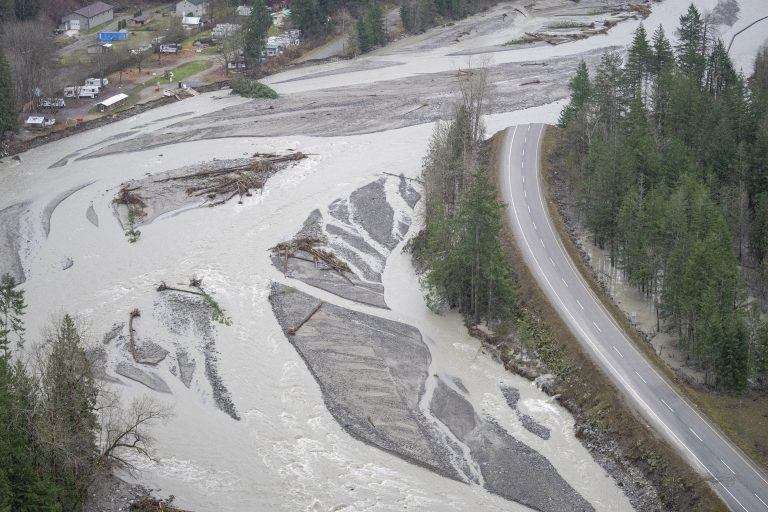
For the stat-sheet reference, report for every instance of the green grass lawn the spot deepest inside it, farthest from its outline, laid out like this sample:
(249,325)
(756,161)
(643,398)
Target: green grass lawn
(181,73)
(188,42)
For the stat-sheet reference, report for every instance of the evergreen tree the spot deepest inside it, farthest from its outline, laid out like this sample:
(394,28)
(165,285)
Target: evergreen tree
(27,9)
(638,66)
(7,14)
(67,422)
(370,28)
(306,16)
(581,94)
(12,308)
(691,46)
(607,92)
(8,112)
(259,23)
(661,53)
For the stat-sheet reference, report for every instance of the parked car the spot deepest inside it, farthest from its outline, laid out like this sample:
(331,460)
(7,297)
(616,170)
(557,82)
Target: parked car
(170,48)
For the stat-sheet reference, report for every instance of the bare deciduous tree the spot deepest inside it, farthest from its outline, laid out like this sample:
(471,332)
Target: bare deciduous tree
(29,50)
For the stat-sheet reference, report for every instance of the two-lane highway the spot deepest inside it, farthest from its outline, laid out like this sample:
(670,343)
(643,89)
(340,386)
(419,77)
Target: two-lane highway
(741,484)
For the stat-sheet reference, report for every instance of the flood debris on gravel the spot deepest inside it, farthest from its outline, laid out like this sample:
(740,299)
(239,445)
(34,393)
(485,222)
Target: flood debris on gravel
(345,251)
(208,184)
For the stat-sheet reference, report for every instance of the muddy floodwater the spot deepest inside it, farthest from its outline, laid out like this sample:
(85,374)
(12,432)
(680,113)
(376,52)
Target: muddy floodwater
(375,404)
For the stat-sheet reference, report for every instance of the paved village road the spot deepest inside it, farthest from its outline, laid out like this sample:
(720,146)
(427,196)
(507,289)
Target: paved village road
(736,479)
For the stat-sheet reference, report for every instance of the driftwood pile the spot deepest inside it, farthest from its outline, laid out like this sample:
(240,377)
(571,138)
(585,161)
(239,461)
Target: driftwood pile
(131,199)
(221,185)
(133,315)
(311,247)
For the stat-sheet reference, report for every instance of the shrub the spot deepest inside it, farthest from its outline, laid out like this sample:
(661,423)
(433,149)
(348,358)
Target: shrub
(249,88)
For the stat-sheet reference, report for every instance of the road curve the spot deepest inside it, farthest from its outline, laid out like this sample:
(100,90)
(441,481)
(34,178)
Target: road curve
(741,484)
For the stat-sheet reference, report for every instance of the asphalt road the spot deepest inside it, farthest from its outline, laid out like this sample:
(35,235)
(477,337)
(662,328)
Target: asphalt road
(741,484)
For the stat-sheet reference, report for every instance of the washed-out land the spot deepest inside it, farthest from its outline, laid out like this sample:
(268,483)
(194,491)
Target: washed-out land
(375,402)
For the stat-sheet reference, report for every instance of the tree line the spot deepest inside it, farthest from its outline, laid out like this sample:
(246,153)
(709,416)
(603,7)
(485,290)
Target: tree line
(459,246)
(60,430)
(670,147)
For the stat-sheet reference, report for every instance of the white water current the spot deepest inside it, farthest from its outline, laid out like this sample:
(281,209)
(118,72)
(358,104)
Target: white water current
(287,452)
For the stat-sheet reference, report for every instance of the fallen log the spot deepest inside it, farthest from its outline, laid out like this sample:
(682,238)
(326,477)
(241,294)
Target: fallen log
(162,287)
(293,330)
(133,315)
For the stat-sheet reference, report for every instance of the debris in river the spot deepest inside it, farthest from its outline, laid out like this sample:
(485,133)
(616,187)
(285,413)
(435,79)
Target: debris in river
(293,330)
(133,315)
(291,248)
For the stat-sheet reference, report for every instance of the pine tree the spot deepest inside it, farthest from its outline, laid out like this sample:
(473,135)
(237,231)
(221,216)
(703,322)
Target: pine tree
(259,23)
(67,421)
(607,92)
(581,94)
(12,308)
(8,112)
(638,64)
(306,16)
(661,52)
(692,45)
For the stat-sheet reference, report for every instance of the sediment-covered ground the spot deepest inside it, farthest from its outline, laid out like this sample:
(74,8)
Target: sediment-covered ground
(255,427)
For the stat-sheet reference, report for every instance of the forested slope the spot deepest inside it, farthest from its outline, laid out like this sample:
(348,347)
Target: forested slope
(669,151)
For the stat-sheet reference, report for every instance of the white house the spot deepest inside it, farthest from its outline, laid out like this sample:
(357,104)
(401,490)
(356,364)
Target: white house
(244,10)
(39,122)
(191,7)
(89,16)
(225,29)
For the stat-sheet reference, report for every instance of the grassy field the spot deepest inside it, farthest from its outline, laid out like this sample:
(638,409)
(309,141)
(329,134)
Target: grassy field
(599,404)
(744,418)
(181,73)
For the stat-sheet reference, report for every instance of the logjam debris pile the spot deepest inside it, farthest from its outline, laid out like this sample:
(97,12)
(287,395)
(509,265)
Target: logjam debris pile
(217,312)
(131,199)
(310,246)
(221,185)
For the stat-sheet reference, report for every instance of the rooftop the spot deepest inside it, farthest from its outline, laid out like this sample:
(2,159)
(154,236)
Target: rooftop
(89,11)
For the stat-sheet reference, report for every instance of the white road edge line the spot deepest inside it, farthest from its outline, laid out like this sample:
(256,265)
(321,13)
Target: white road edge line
(641,377)
(694,433)
(587,338)
(610,318)
(729,467)
(761,500)
(665,403)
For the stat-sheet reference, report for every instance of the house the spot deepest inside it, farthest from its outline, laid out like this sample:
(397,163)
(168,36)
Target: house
(191,22)
(116,101)
(95,49)
(244,10)
(191,7)
(90,16)
(39,122)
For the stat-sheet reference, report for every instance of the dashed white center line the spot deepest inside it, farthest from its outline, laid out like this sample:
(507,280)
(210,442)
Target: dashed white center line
(523,179)
(542,243)
(761,500)
(552,262)
(729,467)
(562,279)
(617,351)
(579,303)
(534,226)
(668,407)
(697,435)
(641,377)
(525,193)
(598,328)
(522,164)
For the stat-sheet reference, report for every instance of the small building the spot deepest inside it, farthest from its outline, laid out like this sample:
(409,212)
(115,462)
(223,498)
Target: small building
(191,22)
(39,122)
(95,49)
(244,10)
(140,20)
(116,101)
(90,15)
(278,18)
(191,7)
(108,37)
